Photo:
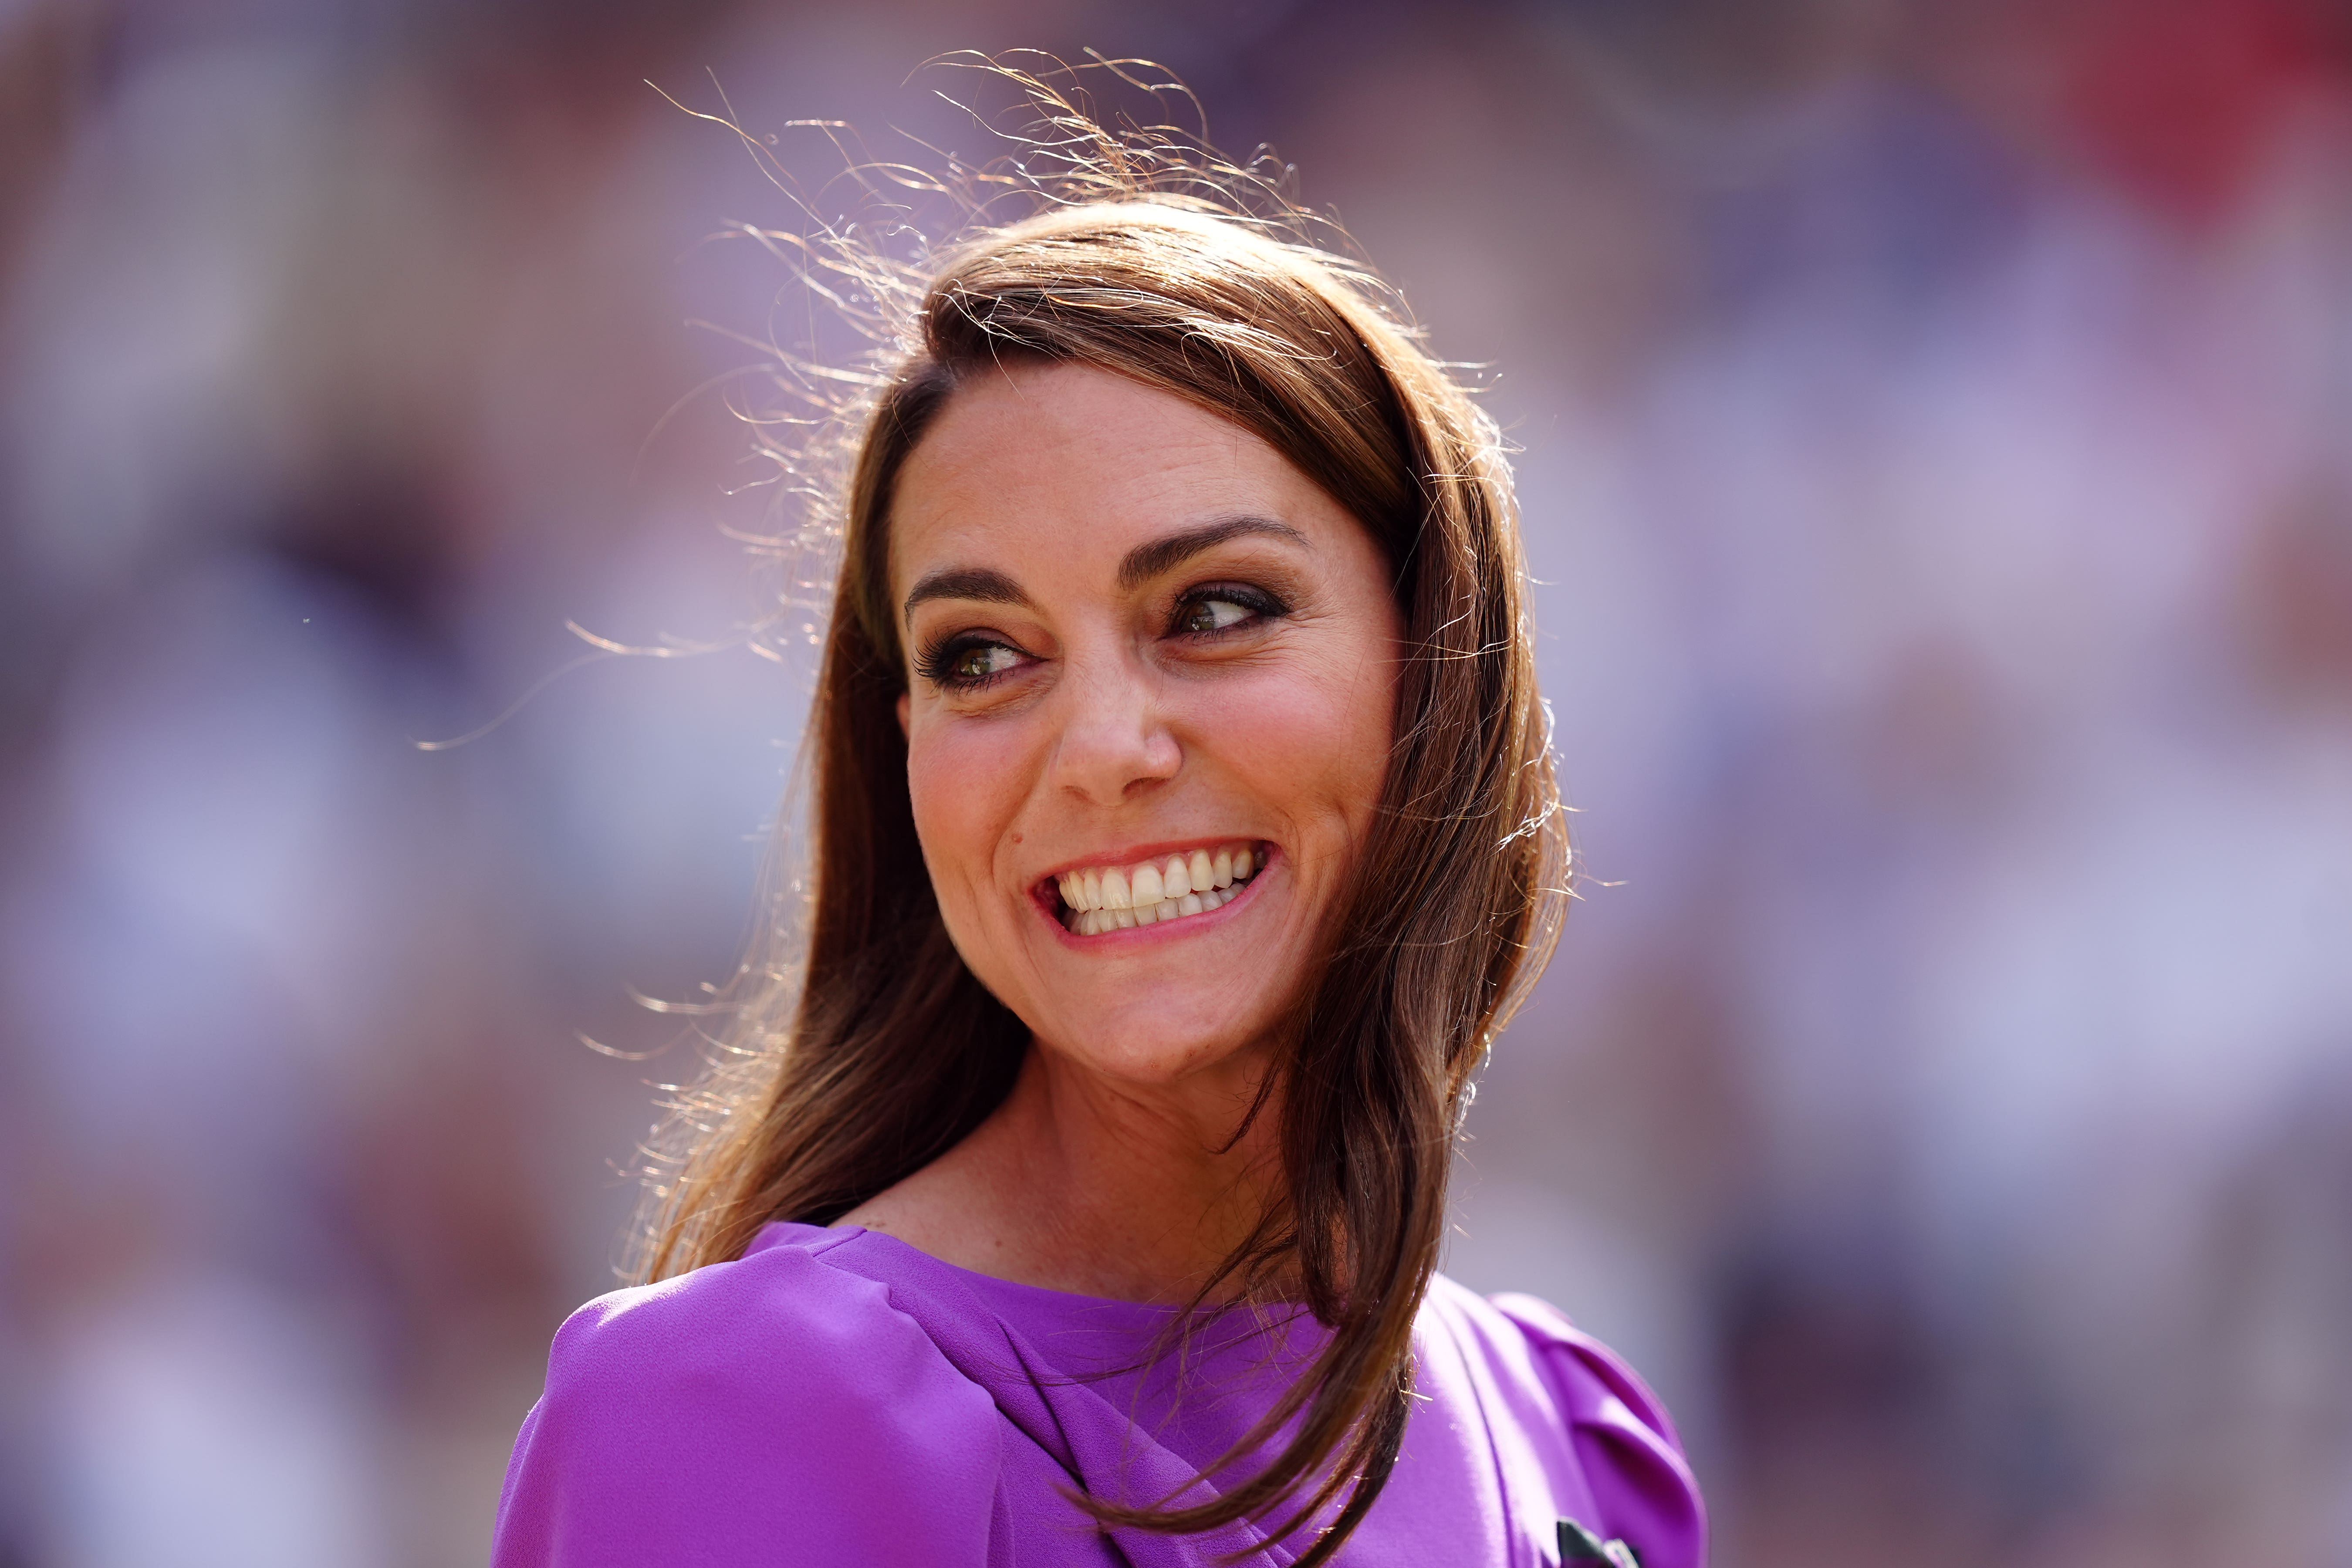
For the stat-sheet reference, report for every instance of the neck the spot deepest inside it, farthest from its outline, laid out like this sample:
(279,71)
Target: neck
(1084,1184)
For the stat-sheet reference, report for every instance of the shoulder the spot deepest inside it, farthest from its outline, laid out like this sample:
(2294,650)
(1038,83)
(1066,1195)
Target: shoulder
(775,1332)
(1624,1443)
(775,1394)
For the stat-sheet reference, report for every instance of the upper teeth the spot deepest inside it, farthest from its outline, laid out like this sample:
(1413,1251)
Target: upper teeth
(1109,898)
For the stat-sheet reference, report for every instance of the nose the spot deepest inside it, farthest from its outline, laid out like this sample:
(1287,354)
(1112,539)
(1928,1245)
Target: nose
(1115,744)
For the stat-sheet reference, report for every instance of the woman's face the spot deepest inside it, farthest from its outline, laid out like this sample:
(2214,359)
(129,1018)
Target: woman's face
(1148,713)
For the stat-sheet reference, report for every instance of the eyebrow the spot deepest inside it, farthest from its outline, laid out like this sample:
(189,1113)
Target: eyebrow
(966,583)
(1141,564)
(1146,562)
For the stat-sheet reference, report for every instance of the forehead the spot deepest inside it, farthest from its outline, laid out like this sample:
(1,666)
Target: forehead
(1061,467)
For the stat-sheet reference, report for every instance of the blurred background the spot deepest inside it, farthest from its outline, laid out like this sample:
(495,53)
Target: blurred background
(1938,455)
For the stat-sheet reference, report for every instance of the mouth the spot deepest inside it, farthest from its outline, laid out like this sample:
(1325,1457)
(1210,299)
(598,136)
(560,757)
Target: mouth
(1093,901)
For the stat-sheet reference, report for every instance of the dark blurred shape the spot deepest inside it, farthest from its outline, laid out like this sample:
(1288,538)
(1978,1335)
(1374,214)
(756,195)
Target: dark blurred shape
(1831,1400)
(385,537)
(2295,601)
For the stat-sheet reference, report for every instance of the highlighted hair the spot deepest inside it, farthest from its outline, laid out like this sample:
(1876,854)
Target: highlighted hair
(865,1048)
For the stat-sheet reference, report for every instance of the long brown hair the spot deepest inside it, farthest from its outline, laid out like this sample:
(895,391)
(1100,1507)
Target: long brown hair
(873,1050)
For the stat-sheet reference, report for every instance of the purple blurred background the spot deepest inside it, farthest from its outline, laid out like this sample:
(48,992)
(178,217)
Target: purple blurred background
(1937,454)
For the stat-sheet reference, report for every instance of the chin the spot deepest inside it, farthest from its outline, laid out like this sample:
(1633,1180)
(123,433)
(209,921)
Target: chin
(1154,1051)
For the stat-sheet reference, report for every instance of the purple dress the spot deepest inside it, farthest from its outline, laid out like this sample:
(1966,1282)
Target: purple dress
(838,1397)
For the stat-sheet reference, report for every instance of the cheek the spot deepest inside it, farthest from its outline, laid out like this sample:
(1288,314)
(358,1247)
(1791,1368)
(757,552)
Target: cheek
(1317,742)
(962,780)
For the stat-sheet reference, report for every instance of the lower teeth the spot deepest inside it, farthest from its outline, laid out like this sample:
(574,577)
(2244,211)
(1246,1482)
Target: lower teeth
(1093,923)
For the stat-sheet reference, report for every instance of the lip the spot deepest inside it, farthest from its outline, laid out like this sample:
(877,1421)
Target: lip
(1043,893)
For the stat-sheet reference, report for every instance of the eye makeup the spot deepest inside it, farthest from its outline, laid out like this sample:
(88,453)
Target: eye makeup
(1260,605)
(966,662)
(971,661)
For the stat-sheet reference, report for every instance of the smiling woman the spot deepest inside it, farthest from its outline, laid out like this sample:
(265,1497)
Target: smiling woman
(1185,829)
(1186,650)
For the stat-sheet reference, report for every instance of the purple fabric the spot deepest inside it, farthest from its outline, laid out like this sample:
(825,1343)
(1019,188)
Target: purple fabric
(838,1397)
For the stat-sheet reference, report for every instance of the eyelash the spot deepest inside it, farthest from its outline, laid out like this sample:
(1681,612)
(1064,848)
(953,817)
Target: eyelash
(1261,604)
(936,663)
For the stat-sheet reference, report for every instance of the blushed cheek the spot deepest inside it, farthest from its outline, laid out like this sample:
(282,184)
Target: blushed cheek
(957,784)
(1357,732)
(1318,750)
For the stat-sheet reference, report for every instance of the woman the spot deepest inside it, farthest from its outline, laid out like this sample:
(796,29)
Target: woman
(1185,828)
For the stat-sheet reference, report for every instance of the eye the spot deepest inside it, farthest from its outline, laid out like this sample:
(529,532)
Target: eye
(1210,611)
(969,663)
(978,661)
